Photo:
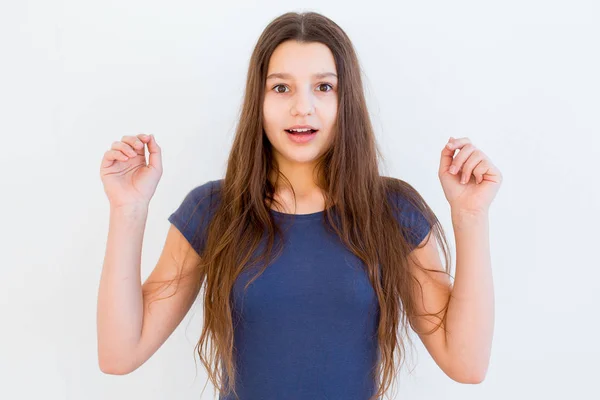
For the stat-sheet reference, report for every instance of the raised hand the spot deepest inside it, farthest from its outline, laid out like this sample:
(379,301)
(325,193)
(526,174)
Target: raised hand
(469,179)
(128,180)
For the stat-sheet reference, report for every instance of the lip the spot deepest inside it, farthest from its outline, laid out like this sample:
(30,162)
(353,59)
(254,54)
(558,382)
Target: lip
(301,138)
(303,127)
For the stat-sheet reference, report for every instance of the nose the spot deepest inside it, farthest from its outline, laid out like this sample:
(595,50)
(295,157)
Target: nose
(303,103)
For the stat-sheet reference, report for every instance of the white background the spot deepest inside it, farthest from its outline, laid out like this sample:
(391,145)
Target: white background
(519,78)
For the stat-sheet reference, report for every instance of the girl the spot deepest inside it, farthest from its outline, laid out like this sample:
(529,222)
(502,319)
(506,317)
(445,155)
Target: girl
(312,263)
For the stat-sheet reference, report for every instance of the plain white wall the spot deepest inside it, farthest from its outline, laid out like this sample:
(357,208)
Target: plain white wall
(519,78)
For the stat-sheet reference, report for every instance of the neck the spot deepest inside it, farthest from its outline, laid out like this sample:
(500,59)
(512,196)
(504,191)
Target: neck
(302,178)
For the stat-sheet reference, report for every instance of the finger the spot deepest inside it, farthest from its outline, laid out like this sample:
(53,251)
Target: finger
(136,144)
(155,154)
(480,170)
(474,159)
(489,171)
(446,159)
(448,153)
(458,143)
(125,148)
(144,138)
(460,158)
(111,156)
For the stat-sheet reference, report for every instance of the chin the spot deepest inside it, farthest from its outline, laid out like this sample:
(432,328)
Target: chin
(301,158)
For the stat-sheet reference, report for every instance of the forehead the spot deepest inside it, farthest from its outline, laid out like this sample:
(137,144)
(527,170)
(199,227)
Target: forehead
(301,60)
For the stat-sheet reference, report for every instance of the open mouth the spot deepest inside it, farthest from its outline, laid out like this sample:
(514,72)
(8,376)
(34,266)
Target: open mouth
(301,135)
(301,131)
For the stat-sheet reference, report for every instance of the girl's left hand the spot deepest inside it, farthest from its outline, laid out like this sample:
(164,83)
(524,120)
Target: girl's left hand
(470,165)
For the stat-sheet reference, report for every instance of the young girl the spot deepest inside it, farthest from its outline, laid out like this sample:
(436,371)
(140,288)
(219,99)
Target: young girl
(313,265)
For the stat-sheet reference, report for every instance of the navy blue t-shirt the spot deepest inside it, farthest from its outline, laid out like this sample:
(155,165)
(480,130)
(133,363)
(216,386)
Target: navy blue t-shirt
(307,327)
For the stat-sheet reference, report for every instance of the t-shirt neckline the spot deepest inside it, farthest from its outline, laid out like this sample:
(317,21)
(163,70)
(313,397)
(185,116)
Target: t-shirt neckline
(303,217)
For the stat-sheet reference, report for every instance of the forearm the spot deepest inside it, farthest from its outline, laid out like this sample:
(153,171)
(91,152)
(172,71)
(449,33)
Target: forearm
(470,315)
(120,300)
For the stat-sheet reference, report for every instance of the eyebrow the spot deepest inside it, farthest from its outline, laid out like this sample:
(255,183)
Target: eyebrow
(281,75)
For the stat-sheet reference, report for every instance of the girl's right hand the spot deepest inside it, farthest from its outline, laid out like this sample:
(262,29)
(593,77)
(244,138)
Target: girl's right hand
(127,179)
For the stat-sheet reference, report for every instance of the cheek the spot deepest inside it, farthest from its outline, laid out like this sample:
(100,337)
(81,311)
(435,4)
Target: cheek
(271,112)
(330,107)
(330,114)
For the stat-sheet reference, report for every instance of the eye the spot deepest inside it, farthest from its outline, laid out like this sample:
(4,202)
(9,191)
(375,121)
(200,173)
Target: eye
(326,84)
(276,86)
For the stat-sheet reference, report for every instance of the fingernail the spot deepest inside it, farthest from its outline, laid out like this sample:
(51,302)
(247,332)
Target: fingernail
(452,170)
(449,145)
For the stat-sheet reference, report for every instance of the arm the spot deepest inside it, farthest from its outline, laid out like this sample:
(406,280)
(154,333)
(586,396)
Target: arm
(462,346)
(470,320)
(120,302)
(132,323)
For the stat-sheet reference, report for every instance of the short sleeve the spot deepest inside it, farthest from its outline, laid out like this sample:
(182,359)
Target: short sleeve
(193,215)
(412,220)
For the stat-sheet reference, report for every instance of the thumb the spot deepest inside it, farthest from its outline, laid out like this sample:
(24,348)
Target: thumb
(155,154)
(446,159)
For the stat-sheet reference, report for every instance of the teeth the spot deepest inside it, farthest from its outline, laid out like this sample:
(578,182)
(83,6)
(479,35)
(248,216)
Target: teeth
(299,130)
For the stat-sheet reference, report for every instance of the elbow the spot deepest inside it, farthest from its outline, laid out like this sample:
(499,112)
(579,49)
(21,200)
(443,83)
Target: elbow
(473,378)
(114,367)
(113,371)
(114,360)
(472,371)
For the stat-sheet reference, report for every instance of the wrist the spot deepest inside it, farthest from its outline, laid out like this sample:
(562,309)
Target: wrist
(459,216)
(130,209)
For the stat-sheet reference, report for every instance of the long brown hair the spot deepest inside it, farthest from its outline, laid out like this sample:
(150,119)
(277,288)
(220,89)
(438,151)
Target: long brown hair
(357,208)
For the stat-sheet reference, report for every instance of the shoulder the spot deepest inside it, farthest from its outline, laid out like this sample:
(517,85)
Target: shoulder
(207,189)
(410,209)
(201,197)
(195,211)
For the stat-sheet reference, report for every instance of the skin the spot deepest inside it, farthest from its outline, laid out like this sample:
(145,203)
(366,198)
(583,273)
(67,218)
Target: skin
(462,349)
(300,97)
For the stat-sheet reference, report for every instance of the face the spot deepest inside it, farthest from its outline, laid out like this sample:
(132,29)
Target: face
(301,89)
